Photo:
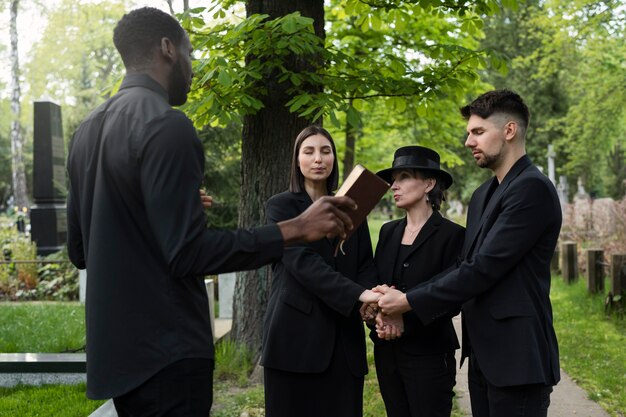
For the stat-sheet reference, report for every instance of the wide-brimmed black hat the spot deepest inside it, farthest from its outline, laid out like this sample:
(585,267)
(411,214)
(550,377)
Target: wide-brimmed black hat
(416,157)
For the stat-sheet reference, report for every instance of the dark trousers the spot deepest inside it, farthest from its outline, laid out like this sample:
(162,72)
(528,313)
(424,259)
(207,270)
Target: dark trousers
(415,385)
(336,392)
(184,388)
(516,401)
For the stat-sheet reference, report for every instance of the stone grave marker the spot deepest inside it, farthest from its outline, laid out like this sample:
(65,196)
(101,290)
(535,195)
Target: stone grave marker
(47,215)
(226,291)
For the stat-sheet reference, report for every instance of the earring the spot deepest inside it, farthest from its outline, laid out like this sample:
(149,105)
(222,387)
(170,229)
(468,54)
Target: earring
(427,200)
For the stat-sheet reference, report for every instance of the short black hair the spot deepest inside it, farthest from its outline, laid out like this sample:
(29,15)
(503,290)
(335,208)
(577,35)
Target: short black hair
(498,101)
(296,181)
(140,31)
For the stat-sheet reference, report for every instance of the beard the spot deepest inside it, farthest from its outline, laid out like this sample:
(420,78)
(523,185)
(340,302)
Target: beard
(178,86)
(488,161)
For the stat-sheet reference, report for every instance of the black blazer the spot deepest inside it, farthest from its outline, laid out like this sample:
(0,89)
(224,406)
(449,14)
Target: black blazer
(436,248)
(314,297)
(504,280)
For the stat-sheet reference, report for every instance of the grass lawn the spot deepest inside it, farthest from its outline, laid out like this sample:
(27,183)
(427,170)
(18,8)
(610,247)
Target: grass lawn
(46,401)
(592,345)
(41,327)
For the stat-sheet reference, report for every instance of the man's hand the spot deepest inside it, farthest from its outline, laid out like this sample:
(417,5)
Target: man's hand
(207,200)
(392,302)
(389,327)
(326,217)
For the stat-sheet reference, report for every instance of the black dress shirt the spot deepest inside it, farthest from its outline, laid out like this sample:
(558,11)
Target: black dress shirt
(135,221)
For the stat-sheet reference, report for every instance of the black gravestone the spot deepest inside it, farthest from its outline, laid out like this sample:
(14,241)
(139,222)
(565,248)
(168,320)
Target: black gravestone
(47,216)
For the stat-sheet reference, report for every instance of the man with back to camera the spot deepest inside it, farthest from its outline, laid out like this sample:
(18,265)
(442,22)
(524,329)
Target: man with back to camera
(503,277)
(135,220)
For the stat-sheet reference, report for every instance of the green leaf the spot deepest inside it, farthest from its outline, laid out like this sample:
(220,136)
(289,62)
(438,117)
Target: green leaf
(399,103)
(318,115)
(353,117)
(295,79)
(289,25)
(376,22)
(308,110)
(365,26)
(299,102)
(358,104)
(397,68)
(225,79)
(422,110)
(333,119)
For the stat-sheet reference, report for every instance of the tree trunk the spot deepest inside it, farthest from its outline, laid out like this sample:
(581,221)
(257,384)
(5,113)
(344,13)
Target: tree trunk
(169,3)
(171,6)
(353,133)
(20,192)
(267,143)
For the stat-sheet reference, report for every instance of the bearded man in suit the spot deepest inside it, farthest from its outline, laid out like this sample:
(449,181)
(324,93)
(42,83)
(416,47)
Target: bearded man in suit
(502,279)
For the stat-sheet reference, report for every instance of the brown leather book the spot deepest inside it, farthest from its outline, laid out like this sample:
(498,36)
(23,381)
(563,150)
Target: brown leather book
(366,189)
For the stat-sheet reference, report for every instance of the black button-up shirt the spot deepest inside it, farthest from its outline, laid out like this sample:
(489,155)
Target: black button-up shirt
(135,221)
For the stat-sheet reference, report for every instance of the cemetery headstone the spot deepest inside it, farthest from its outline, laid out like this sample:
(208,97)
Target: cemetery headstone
(82,285)
(603,217)
(562,190)
(47,215)
(555,261)
(595,270)
(569,262)
(551,170)
(226,291)
(580,192)
(618,274)
(209,284)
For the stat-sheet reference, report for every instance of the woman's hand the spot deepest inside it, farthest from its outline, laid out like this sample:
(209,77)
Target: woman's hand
(368,312)
(369,297)
(389,327)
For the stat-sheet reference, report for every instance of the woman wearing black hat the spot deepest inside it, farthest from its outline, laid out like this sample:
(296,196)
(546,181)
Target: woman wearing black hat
(313,339)
(416,372)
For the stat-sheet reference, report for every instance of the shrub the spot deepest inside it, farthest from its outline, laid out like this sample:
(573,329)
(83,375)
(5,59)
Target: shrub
(34,281)
(15,277)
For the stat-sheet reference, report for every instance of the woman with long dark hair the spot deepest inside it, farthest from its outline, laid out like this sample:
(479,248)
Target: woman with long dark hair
(313,339)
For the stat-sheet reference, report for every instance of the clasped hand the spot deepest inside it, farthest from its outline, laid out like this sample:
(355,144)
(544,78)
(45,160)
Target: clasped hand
(383,306)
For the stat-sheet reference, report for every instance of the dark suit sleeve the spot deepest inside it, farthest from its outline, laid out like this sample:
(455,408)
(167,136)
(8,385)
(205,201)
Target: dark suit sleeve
(383,236)
(450,258)
(75,250)
(453,247)
(523,218)
(172,165)
(308,267)
(367,275)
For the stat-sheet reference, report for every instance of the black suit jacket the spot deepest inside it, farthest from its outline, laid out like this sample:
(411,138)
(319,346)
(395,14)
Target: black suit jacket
(504,280)
(436,248)
(314,298)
